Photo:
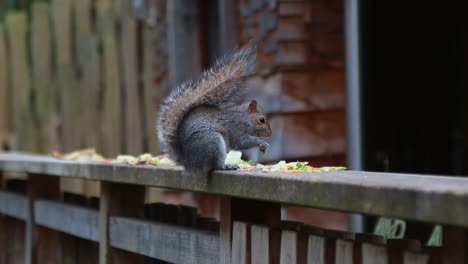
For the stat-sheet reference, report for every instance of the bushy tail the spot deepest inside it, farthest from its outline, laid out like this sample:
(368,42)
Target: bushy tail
(222,85)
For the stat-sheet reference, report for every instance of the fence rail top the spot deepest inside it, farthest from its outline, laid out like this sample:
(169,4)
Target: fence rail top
(427,198)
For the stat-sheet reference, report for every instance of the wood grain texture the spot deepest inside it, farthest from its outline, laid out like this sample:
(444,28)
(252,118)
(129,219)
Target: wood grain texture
(344,252)
(71,102)
(316,250)
(5,110)
(260,240)
(42,244)
(407,196)
(240,252)
(288,247)
(42,74)
(118,200)
(133,110)
(70,219)
(373,254)
(414,258)
(112,130)
(225,236)
(166,242)
(16,23)
(14,205)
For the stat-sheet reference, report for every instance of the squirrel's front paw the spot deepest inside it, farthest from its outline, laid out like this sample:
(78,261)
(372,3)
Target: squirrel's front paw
(263,146)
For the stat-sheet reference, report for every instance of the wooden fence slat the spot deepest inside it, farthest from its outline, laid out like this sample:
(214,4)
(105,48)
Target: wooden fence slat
(148,91)
(414,258)
(344,252)
(225,235)
(133,110)
(42,75)
(112,111)
(5,110)
(373,254)
(240,243)
(288,247)
(316,250)
(260,239)
(20,80)
(65,81)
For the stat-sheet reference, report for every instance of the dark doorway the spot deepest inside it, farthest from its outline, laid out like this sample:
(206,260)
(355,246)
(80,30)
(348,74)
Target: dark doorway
(415,94)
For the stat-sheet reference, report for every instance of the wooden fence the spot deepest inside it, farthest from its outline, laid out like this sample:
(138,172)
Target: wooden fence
(118,227)
(77,74)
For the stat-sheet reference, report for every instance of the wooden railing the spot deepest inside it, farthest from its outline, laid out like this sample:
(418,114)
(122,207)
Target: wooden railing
(250,228)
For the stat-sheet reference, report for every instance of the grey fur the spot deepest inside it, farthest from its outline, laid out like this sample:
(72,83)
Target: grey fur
(199,121)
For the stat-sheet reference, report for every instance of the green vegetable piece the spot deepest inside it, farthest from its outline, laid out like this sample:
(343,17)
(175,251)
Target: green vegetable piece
(333,168)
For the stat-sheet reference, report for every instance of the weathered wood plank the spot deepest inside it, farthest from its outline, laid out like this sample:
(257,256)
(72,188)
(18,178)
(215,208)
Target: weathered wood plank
(42,75)
(65,81)
(118,200)
(402,192)
(344,251)
(166,242)
(288,247)
(240,252)
(414,258)
(42,244)
(16,23)
(183,32)
(5,110)
(112,106)
(316,250)
(373,254)
(71,219)
(149,89)
(133,112)
(260,240)
(14,205)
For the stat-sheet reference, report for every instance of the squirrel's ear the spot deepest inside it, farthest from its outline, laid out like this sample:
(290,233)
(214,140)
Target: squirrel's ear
(252,106)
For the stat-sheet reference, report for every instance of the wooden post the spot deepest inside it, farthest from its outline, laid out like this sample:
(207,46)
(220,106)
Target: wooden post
(42,244)
(118,200)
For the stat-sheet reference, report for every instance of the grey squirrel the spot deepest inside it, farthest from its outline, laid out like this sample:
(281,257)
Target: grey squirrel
(201,120)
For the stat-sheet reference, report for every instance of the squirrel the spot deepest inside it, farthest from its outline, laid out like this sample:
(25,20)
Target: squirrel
(201,120)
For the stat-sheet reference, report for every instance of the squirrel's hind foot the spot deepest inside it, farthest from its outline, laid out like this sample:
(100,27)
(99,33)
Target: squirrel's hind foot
(230,167)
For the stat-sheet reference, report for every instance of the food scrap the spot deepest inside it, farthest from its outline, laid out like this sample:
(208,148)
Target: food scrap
(234,157)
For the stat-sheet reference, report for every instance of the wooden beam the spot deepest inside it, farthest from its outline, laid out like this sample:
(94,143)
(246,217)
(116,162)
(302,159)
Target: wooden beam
(14,205)
(406,196)
(70,219)
(118,200)
(42,244)
(164,241)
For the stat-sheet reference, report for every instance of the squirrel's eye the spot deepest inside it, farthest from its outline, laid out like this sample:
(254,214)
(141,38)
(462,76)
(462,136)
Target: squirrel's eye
(261,119)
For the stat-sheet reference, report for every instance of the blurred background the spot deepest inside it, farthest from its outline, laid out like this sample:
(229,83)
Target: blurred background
(372,85)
